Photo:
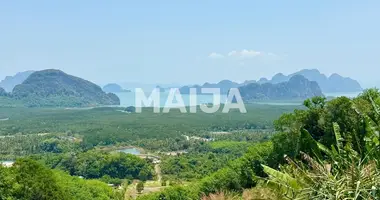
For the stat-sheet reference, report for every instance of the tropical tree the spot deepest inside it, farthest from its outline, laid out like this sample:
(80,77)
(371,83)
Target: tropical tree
(349,169)
(34,181)
(140,187)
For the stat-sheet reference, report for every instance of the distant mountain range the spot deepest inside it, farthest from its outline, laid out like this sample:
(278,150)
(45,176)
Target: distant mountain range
(11,81)
(113,88)
(57,89)
(298,87)
(224,85)
(334,83)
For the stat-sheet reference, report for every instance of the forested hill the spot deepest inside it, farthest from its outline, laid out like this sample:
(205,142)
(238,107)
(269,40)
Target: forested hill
(56,88)
(2,92)
(298,87)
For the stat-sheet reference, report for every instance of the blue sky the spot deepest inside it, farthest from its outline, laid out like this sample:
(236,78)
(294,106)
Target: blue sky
(190,41)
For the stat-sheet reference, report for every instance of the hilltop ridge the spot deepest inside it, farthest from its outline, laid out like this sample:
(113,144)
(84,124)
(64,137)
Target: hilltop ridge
(55,88)
(333,83)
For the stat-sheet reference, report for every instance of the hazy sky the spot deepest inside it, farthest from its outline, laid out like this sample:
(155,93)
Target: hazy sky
(184,41)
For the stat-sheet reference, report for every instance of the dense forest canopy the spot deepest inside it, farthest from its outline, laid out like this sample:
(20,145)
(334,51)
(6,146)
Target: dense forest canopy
(109,125)
(28,179)
(95,165)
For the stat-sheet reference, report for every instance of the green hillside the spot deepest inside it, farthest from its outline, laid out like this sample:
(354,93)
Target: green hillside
(55,88)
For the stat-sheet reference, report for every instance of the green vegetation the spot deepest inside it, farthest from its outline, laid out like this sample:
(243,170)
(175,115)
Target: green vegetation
(203,159)
(157,132)
(332,152)
(192,166)
(54,88)
(71,141)
(342,159)
(14,146)
(140,187)
(28,179)
(95,165)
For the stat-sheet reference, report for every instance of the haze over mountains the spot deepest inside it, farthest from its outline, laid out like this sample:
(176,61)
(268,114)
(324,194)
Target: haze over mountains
(224,86)
(298,87)
(334,83)
(11,81)
(56,88)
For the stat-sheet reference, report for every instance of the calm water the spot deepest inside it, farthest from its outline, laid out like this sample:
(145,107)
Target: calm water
(132,151)
(128,99)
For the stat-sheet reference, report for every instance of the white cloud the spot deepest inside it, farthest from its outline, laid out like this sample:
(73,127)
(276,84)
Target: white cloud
(215,55)
(245,53)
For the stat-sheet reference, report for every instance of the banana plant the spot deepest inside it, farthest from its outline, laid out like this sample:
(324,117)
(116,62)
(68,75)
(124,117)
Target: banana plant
(343,175)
